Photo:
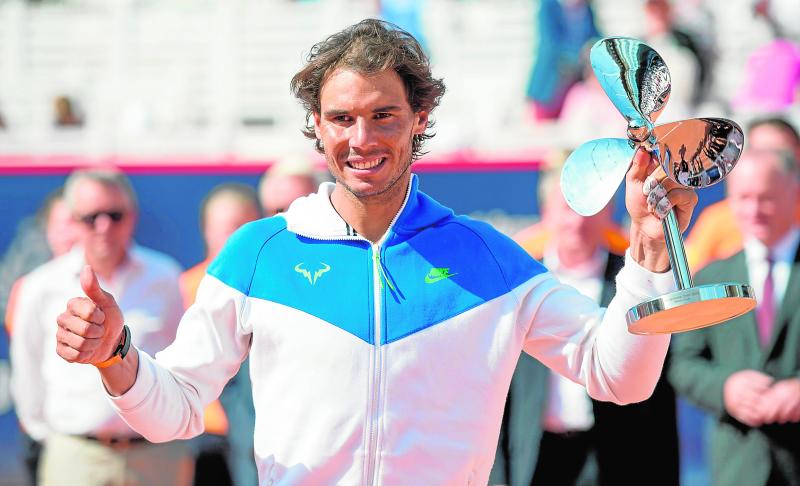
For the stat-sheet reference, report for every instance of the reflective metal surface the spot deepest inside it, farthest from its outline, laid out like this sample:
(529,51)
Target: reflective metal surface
(699,152)
(637,81)
(635,78)
(691,308)
(593,172)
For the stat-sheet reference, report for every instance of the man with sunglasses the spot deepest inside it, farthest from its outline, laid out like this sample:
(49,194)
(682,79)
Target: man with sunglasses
(64,405)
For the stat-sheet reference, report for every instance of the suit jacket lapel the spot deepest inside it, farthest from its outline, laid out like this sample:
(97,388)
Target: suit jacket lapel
(747,323)
(788,305)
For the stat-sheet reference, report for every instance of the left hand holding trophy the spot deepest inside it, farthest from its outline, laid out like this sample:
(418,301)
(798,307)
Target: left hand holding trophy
(693,153)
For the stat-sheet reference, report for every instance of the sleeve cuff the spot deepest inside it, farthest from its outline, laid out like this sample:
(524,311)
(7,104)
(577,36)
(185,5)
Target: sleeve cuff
(138,393)
(643,283)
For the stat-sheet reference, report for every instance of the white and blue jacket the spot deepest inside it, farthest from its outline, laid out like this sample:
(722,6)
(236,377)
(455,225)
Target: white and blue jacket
(387,363)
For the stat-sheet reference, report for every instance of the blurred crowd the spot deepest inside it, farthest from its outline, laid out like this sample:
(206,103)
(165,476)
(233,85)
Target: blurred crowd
(738,60)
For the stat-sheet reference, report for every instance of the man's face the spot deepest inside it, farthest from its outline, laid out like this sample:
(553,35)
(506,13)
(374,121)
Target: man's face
(279,191)
(366,126)
(770,137)
(570,229)
(60,230)
(105,221)
(224,215)
(762,197)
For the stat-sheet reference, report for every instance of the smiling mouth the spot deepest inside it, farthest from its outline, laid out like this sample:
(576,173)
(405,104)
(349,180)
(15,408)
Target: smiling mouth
(365,164)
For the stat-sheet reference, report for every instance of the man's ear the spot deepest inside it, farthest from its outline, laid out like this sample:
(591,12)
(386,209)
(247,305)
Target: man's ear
(420,122)
(316,126)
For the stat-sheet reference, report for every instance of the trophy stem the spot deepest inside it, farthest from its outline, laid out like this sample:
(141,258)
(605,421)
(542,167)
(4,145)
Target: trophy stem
(677,255)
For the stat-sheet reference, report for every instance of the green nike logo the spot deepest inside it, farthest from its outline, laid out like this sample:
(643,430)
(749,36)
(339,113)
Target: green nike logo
(437,274)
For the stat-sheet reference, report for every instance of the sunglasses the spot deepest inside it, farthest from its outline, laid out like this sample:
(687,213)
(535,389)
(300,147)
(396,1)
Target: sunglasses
(91,218)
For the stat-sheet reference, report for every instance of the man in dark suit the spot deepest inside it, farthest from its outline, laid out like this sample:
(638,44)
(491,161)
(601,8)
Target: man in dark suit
(746,372)
(552,432)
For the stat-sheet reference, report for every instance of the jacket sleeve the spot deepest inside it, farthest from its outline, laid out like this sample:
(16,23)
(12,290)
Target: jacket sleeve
(572,335)
(171,391)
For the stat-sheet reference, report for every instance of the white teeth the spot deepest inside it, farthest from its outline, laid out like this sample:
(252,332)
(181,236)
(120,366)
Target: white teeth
(365,164)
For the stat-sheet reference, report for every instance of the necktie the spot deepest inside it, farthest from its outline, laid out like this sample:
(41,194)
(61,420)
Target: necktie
(765,314)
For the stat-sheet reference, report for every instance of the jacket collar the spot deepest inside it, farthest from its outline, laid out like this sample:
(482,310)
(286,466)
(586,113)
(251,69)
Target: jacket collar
(314,216)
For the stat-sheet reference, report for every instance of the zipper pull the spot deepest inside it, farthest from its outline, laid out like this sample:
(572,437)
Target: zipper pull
(382,270)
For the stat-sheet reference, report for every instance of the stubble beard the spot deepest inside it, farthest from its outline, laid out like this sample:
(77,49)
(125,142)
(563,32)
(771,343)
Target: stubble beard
(385,194)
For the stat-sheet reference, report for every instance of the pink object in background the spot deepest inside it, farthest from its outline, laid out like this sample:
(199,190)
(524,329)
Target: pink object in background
(772,78)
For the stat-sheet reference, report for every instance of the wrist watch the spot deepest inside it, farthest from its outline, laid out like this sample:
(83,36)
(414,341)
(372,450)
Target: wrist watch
(121,350)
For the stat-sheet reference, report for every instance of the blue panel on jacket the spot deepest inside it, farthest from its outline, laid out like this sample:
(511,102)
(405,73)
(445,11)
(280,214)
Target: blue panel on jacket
(327,279)
(331,280)
(236,263)
(444,271)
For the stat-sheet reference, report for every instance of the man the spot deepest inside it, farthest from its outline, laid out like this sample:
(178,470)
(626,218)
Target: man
(382,330)
(287,180)
(50,233)
(552,432)
(85,441)
(716,234)
(224,210)
(746,373)
(54,227)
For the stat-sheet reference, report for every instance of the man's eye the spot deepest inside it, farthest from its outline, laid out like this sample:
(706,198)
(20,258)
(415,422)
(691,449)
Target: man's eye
(381,116)
(342,118)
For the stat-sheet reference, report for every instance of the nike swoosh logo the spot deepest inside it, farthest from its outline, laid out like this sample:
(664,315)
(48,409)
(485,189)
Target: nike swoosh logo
(437,274)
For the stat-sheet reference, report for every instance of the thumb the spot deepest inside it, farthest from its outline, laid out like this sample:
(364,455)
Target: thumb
(91,287)
(642,165)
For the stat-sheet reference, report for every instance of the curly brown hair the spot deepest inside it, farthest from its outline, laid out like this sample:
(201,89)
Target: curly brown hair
(369,47)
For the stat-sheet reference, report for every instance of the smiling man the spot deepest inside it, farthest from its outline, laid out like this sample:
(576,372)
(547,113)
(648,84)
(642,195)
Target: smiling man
(391,364)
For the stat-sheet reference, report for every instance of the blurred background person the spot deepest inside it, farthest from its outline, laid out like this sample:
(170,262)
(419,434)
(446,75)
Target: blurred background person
(553,433)
(224,455)
(746,372)
(65,114)
(716,233)
(588,113)
(688,64)
(49,233)
(53,225)
(535,238)
(85,441)
(562,28)
(289,178)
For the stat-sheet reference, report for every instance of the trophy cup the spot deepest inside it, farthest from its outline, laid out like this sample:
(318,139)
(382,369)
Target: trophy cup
(695,153)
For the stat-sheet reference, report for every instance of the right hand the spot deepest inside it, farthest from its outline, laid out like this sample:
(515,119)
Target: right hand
(91,327)
(742,394)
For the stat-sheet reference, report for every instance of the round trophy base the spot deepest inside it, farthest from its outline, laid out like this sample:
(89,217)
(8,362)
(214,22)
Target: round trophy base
(691,308)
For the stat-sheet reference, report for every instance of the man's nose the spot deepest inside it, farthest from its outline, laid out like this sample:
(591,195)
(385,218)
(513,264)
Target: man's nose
(103,223)
(360,133)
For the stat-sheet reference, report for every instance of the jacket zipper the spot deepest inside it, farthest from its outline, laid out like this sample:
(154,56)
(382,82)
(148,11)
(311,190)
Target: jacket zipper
(372,446)
(378,275)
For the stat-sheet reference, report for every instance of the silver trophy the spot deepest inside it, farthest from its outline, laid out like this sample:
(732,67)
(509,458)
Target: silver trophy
(694,153)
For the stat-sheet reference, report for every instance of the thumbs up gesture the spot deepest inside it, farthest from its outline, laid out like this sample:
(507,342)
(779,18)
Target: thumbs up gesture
(91,327)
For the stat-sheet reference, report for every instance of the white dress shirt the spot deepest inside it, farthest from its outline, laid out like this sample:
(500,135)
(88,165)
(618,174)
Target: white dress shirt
(568,407)
(783,252)
(52,395)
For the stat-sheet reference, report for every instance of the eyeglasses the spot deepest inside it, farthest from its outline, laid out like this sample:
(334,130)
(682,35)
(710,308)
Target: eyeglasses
(90,219)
